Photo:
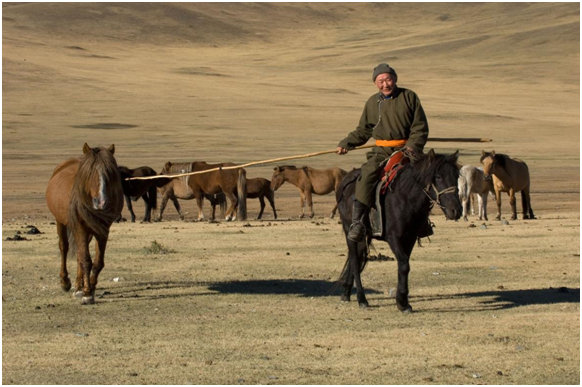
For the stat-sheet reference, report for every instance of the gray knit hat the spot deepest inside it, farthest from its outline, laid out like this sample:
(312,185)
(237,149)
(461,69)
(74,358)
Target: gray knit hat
(381,69)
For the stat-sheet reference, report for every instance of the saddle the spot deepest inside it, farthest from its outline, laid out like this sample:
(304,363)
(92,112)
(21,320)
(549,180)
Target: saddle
(390,171)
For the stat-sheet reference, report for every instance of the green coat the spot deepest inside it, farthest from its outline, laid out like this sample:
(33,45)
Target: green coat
(399,118)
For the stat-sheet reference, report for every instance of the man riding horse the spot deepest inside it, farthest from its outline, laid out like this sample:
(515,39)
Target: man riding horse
(395,118)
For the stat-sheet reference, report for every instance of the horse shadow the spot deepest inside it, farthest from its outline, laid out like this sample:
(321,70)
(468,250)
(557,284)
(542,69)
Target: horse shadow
(299,287)
(508,299)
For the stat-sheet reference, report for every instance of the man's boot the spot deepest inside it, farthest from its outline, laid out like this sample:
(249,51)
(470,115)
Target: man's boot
(357,230)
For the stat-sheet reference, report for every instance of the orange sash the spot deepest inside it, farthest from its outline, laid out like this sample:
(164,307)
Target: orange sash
(391,143)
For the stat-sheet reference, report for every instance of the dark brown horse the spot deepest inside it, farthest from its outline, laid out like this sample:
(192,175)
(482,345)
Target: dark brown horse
(309,180)
(134,189)
(231,182)
(261,188)
(85,196)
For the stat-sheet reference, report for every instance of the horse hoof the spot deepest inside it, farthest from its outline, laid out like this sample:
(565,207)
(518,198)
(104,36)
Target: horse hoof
(407,309)
(66,284)
(364,305)
(89,300)
(78,293)
(345,298)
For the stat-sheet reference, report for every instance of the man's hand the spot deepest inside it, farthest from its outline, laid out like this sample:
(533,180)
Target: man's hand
(341,151)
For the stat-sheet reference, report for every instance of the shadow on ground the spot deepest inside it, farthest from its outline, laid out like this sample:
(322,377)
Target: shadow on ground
(507,299)
(301,287)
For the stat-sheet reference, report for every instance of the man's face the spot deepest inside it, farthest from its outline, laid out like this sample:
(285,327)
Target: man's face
(386,83)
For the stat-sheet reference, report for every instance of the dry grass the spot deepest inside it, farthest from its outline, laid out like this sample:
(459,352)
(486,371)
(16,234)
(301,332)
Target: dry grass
(256,305)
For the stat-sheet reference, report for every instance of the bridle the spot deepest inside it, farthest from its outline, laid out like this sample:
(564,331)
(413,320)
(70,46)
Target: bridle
(438,194)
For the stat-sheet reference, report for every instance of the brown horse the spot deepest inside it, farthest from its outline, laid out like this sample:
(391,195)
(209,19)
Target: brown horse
(85,196)
(231,182)
(308,180)
(261,188)
(511,176)
(134,189)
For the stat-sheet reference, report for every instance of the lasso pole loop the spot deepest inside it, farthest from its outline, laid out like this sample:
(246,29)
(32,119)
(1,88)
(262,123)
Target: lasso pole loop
(294,158)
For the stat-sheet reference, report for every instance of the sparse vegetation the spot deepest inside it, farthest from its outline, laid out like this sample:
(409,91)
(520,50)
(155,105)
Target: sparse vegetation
(157,248)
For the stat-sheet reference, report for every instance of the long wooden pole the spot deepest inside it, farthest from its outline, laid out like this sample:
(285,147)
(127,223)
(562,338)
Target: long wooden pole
(434,139)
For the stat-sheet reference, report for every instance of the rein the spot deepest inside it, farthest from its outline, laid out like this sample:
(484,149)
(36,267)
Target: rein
(438,194)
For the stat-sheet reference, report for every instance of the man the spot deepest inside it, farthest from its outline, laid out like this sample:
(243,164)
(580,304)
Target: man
(395,119)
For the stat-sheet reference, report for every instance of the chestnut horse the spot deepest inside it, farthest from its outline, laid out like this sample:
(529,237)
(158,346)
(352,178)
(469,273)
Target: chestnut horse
(261,188)
(85,196)
(309,180)
(134,189)
(511,176)
(231,182)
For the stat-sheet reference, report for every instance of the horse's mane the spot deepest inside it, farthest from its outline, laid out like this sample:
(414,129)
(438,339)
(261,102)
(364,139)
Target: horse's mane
(499,158)
(422,171)
(96,163)
(289,167)
(180,168)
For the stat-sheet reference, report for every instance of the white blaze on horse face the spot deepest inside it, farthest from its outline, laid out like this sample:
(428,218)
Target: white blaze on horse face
(100,201)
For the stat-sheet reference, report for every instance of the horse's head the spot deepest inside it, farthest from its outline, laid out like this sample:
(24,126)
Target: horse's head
(489,162)
(99,176)
(167,168)
(278,178)
(444,185)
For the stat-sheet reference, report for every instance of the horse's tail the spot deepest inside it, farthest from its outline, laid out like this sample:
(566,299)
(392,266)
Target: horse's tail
(358,251)
(242,194)
(153,196)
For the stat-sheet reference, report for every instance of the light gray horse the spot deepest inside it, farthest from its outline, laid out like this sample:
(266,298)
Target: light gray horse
(472,181)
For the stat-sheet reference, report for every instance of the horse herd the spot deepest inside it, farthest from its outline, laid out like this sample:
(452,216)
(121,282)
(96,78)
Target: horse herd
(85,195)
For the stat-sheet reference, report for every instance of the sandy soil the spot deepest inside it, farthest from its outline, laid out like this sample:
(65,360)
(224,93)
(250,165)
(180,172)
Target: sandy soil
(498,304)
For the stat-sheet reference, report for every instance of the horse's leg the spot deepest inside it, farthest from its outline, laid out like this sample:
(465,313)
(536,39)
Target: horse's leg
(482,197)
(99,264)
(512,202)
(177,207)
(148,208)
(498,200)
(84,263)
(309,202)
(465,202)
(526,204)
(130,208)
(64,247)
(403,258)
(230,214)
(200,203)
(358,251)
(213,205)
(163,205)
(271,198)
(262,201)
(302,204)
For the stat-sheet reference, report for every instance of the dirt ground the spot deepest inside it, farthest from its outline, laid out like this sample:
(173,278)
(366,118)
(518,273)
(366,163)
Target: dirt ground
(254,302)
